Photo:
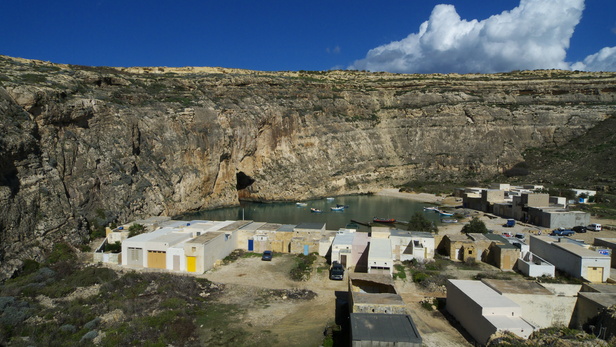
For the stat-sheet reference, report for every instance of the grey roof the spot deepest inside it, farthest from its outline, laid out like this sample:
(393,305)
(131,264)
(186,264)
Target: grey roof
(316,226)
(287,227)
(381,327)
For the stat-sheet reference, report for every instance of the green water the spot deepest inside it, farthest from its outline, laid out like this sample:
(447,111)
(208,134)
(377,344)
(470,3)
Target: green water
(361,208)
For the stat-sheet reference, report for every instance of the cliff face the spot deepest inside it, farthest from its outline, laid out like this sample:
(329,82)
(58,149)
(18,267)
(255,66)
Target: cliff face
(84,145)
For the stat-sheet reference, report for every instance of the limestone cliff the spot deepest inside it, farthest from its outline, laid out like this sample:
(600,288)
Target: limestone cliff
(82,144)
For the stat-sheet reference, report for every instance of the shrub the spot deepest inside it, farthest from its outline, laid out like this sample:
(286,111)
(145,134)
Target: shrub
(135,230)
(475,226)
(61,252)
(419,277)
(419,222)
(303,266)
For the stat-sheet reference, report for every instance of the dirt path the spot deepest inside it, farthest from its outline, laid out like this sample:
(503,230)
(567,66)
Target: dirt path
(292,322)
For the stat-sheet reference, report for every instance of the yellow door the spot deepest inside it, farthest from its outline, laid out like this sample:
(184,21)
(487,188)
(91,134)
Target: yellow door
(157,259)
(594,274)
(191,264)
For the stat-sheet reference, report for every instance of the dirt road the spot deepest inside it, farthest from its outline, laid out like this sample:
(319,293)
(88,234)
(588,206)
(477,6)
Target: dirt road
(302,322)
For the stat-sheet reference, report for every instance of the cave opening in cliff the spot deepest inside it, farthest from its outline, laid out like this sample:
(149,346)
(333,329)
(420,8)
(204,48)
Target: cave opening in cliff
(243,180)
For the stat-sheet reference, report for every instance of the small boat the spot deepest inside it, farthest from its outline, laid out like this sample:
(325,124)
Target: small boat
(339,208)
(383,220)
(329,199)
(435,209)
(315,210)
(449,220)
(301,204)
(446,214)
(343,206)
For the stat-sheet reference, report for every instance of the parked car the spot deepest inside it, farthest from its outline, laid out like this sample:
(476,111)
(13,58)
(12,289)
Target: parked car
(507,235)
(267,256)
(594,227)
(520,237)
(579,229)
(336,272)
(562,232)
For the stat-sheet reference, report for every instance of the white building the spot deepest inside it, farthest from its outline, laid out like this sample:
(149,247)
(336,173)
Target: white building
(342,247)
(380,259)
(409,245)
(572,257)
(483,312)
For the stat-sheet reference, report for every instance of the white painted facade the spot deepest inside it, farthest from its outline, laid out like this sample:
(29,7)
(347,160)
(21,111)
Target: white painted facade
(483,312)
(572,258)
(380,259)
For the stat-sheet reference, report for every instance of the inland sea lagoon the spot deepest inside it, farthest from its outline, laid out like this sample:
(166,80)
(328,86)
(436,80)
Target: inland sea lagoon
(362,208)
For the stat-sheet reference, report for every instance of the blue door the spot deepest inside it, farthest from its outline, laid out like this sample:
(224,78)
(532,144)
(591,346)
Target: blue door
(251,245)
(305,249)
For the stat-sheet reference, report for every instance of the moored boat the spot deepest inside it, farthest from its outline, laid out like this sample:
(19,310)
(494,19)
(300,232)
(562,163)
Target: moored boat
(383,220)
(315,210)
(339,208)
(449,220)
(446,214)
(301,204)
(435,209)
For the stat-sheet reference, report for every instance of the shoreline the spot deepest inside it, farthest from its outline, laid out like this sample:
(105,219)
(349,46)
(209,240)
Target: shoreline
(421,197)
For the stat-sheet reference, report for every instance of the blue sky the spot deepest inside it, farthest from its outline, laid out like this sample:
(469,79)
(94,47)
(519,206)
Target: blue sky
(315,35)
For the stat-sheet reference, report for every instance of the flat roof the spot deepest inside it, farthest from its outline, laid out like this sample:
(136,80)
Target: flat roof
(516,287)
(385,299)
(503,322)
(496,237)
(344,239)
(316,226)
(377,278)
(172,238)
(269,227)
(400,233)
(603,299)
(287,227)
(204,238)
(253,226)
(380,248)
(579,250)
(145,237)
(483,295)
(384,327)
(235,225)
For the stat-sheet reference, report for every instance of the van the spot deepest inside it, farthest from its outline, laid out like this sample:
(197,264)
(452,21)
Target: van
(594,227)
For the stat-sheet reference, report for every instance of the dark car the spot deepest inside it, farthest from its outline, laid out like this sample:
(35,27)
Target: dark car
(267,256)
(579,229)
(336,272)
(562,232)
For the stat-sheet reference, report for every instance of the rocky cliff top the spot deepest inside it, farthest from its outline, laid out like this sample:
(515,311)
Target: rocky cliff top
(81,147)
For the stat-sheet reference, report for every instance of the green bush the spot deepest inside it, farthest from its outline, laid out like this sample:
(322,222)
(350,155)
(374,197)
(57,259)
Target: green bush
(303,266)
(61,252)
(475,226)
(419,277)
(135,230)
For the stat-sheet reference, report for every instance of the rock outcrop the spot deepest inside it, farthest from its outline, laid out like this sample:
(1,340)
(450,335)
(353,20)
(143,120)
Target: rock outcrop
(81,146)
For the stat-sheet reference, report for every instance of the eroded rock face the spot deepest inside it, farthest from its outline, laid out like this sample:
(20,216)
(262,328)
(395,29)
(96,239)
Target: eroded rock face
(82,145)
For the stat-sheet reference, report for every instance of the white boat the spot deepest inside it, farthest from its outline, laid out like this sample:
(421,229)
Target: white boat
(329,199)
(339,208)
(446,214)
(301,204)
(315,210)
(435,209)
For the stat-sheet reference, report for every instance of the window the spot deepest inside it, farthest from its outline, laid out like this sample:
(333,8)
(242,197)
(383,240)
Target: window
(194,249)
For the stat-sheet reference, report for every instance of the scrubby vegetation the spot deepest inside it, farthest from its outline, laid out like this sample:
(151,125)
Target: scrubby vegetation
(64,303)
(419,222)
(303,267)
(475,226)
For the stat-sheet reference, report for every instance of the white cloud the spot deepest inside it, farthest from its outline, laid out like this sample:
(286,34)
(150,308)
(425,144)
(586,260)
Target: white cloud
(534,35)
(604,60)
